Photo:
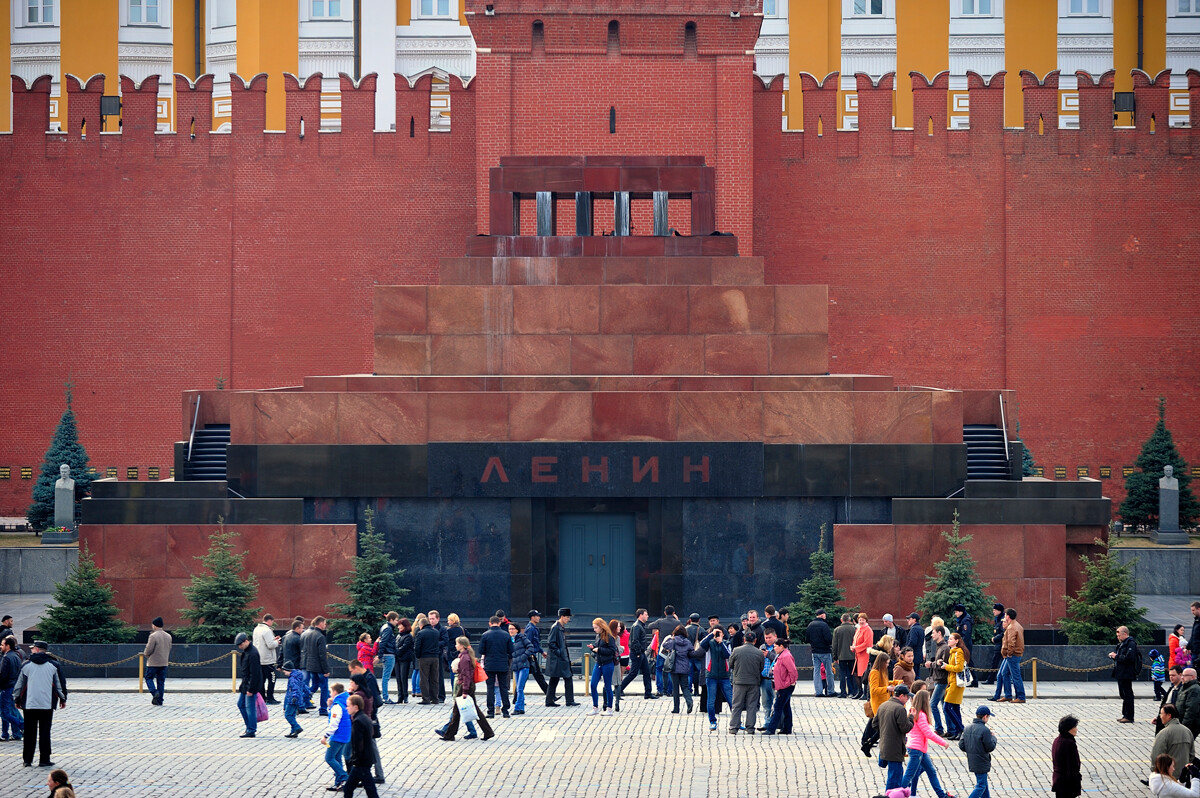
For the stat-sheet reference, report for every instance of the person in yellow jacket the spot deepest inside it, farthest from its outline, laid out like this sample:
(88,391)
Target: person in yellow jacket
(959,655)
(880,690)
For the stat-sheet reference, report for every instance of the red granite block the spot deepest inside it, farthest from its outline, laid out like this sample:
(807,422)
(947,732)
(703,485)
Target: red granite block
(731,309)
(400,310)
(602,179)
(564,179)
(537,354)
(896,417)
(325,384)
(639,178)
(500,217)
(275,597)
(525,271)
(999,550)
(268,547)
(911,591)
(718,245)
(152,598)
(312,597)
(295,417)
(682,179)
(525,180)
(708,383)
(555,382)
(799,354)
(668,354)
(874,596)
(864,552)
(640,245)
(601,354)
(541,309)
(465,309)
(947,417)
(369,418)
(918,548)
(466,354)
(91,537)
(452,384)
(465,271)
(719,416)
(1046,551)
(323,551)
(625,271)
(370,383)
(801,309)
(734,270)
(135,551)
(241,418)
(580,271)
(660,309)
(735,354)
(468,417)
(401,354)
(677,271)
(981,407)
(550,416)
(808,417)
(633,417)
(186,542)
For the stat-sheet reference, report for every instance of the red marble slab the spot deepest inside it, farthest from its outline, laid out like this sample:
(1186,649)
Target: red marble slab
(808,417)
(186,542)
(125,598)
(719,416)
(660,309)
(466,354)
(400,309)
(295,417)
(735,354)
(326,384)
(557,382)
(801,309)
(947,417)
(668,354)
(580,271)
(537,354)
(678,271)
(154,597)
(556,309)
(1045,551)
(241,417)
(896,417)
(874,596)
(371,418)
(602,179)
(323,551)
(999,550)
(625,271)
(864,551)
(268,548)
(452,384)
(633,417)
(981,407)
(91,537)
(465,271)
(707,383)
(401,354)
(525,271)
(731,309)
(919,547)
(601,354)
(364,383)
(135,551)
(468,417)
(799,354)
(550,416)
(734,270)
(803,382)
(467,309)
(312,597)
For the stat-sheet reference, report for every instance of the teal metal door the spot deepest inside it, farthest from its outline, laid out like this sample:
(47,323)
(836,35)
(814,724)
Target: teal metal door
(595,564)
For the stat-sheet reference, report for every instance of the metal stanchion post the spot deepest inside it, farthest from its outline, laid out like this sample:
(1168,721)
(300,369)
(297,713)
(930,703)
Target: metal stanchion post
(587,668)
(141,673)
(1035,677)
(233,671)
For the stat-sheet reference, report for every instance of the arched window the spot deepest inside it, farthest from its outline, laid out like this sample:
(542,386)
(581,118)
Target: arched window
(614,37)
(538,46)
(689,40)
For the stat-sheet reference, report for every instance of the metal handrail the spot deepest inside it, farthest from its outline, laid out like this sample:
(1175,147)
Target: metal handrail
(1004,428)
(192,437)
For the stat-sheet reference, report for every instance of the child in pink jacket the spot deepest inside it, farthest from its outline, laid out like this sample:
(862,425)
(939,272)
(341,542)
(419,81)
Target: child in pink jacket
(367,651)
(918,747)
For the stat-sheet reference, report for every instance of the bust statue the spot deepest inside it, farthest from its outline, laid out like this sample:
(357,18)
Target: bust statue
(65,481)
(64,498)
(1168,502)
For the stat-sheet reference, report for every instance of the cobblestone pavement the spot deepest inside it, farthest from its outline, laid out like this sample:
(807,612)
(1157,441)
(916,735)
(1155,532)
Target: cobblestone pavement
(116,744)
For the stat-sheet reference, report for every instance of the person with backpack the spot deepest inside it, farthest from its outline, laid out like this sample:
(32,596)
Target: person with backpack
(10,668)
(677,661)
(1127,667)
(1158,674)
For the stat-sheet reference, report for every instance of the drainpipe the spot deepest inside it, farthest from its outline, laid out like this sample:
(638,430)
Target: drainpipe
(1141,31)
(358,41)
(199,23)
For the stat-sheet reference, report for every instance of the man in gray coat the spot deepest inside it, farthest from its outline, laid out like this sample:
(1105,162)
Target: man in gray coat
(313,660)
(558,660)
(894,724)
(745,669)
(37,690)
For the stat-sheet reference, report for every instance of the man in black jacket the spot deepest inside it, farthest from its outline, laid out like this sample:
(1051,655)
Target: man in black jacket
(1126,667)
(315,662)
(914,638)
(964,624)
(252,683)
(496,650)
(427,649)
(997,640)
(692,629)
(534,636)
(448,652)
(1194,640)
(639,641)
(361,754)
(387,650)
(820,637)
(10,668)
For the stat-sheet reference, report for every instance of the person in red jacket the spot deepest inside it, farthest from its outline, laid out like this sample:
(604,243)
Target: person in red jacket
(785,683)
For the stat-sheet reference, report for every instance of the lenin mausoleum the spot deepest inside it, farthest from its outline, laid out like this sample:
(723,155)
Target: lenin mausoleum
(604,304)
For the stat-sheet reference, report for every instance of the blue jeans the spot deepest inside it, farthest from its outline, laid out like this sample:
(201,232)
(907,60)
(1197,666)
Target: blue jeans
(607,672)
(981,787)
(827,661)
(334,755)
(10,717)
(918,763)
(781,716)
(246,705)
(726,687)
(895,774)
(389,664)
(935,706)
(662,679)
(1009,679)
(521,677)
(155,677)
(954,724)
(289,714)
(320,682)
(416,682)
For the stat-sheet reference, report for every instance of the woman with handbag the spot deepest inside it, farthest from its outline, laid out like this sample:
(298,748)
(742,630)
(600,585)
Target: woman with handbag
(959,656)
(464,696)
(606,651)
(679,647)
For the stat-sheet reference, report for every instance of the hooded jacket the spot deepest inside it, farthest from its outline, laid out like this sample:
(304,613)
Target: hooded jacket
(39,682)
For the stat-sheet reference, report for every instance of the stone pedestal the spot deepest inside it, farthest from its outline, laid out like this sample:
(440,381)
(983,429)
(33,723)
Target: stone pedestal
(1168,532)
(64,509)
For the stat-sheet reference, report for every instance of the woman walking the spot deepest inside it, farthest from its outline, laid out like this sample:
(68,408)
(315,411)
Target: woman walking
(404,657)
(679,644)
(959,657)
(862,642)
(918,747)
(605,650)
(1068,778)
(464,687)
(522,650)
(879,688)
(454,631)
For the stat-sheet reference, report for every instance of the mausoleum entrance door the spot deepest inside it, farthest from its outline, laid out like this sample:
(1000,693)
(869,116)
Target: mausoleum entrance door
(596,565)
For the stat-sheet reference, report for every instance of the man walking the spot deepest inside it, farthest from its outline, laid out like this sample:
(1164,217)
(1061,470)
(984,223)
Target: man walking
(252,683)
(361,753)
(157,655)
(387,649)
(893,722)
(534,636)
(964,624)
(39,683)
(1126,667)
(979,742)
(10,669)
(820,637)
(941,679)
(267,643)
(558,661)
(1009,679)
(716,665)
(745,669)
(315,662)
(843,637)
(997,641)
(427,650)
(496,650)
(785,677)
(639,641)
(665,626)
(914,638)
(692,630)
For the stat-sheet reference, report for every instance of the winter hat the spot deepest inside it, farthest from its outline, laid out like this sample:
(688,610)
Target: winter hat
(1154,653)
(998,607)
(289,666)
(535,614)
(959,608)
(241,638)
(157,622)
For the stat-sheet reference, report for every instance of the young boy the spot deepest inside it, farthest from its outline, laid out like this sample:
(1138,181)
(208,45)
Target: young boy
(979,742)
(1158,673)
(297,695)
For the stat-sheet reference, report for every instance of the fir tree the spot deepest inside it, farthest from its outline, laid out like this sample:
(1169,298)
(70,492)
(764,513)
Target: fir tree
(1104,602)
(957,582)
(1140,508)
(372,587)
(219,598)
(819,591)
(1028,466)
(83,609)
(64,448)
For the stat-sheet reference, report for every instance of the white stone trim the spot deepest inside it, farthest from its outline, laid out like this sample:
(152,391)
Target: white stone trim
(140,61)
(454,55)
(330,57)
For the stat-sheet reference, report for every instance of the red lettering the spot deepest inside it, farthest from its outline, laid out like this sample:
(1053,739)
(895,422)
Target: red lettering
(601,469)
(541,469)
(689,469)
(493,464)
(639,470)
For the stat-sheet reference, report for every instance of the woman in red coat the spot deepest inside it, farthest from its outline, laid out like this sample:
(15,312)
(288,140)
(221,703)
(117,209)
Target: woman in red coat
(863,637)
